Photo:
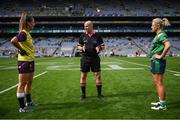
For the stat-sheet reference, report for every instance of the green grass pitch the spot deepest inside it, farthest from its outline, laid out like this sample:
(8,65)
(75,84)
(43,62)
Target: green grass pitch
(127,86)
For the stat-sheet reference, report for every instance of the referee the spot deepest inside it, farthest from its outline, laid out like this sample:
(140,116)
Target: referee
(91,44)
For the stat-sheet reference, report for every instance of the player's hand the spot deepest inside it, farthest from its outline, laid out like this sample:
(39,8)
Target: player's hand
(23,52)
(156,56)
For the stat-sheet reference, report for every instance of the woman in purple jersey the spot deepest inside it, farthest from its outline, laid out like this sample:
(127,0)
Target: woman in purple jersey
(23,42)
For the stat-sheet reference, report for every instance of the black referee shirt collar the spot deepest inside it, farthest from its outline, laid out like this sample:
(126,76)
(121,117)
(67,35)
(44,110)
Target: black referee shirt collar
(91,34)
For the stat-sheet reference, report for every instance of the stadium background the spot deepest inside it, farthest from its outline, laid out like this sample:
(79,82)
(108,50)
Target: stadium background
(125,26)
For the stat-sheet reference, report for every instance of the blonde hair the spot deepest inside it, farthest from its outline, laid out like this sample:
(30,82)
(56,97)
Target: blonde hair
(24,20)
(163,23)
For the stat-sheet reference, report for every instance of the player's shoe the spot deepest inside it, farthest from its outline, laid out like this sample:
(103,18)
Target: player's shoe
(159,107)
(31,104)
(82,97)
(25,110)
(155,103)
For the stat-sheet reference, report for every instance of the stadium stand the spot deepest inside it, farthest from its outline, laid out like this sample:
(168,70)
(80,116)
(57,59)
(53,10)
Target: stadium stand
(115,46)
(91,8)
(125,25)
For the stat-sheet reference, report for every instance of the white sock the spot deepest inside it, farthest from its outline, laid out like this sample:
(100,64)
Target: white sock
(20,95)
(161,100)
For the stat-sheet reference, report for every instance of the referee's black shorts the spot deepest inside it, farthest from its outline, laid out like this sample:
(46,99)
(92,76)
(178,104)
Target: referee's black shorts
(92,63)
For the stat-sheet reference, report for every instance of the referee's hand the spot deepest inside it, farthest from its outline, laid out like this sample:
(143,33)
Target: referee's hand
(83,48)
(98,49)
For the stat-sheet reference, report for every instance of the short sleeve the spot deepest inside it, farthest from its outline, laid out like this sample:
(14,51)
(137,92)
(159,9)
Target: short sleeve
(100,40)
(163,38)
(81,40)
(21,36)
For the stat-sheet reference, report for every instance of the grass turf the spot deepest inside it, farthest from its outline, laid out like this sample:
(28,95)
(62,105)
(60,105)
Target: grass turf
(128,91)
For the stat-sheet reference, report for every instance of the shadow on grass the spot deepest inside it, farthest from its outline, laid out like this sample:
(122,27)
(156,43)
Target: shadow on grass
(131,94)
(175,104)
(91,102)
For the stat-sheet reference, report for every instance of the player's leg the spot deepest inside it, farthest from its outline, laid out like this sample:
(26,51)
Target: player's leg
(29,70)
(23,68)
(161,91)
(160,84)
(161,104)
(155,79)
(158,81)
(154,71)
(28,90)
(20,92)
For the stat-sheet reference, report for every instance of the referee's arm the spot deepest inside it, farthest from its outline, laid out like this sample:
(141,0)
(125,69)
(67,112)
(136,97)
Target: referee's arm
(81,45)
(101,45)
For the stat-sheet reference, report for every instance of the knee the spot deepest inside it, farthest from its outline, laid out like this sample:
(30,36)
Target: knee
(98,77)
(29,82)
(21,85)
(98,82)
(159,84)
(83,77)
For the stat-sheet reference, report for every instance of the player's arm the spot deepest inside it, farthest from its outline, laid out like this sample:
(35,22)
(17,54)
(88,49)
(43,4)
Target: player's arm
(167,46)
(14,41)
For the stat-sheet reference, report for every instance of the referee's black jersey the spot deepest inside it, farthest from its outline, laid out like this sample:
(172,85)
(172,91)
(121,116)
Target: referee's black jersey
(90,44)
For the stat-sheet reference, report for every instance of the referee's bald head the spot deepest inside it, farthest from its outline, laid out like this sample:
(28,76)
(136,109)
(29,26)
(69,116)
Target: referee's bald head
(88,26)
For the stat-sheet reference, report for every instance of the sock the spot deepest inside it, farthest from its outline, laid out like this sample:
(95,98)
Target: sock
(99,87)
(28,98)
(83,89)
(162,102)
(20,97)
(159,98)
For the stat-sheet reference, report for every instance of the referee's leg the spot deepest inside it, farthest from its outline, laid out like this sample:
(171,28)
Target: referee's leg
(83,85)
(98,84)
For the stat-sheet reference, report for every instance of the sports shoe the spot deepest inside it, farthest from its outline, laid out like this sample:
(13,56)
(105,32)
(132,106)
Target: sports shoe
(25,110)
(155,103)
(31,104)
(82,97)
(159,107)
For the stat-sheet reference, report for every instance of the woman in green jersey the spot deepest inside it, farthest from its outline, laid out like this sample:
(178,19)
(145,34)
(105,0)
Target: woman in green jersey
(160,47)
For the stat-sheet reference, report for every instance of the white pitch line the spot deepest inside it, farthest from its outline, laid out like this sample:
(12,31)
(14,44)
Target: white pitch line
(177,75)
(1,92)
(145,65)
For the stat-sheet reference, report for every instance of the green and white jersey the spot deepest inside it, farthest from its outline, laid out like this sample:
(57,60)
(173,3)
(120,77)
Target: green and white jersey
(158,44)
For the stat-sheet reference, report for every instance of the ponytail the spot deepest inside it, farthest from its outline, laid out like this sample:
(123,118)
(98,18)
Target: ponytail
(163,23)
(24,20)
